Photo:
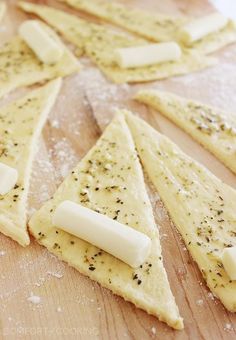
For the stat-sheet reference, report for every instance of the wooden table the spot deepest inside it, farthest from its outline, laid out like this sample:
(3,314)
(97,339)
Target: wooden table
(70,305)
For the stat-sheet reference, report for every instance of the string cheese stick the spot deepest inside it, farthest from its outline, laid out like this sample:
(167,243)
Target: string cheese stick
(119,240)
(43,45)
(199,28)
(147,55)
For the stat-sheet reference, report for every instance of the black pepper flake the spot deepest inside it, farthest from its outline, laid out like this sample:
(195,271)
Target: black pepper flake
(92,268)
(83,193)
(56,245)
(139,282)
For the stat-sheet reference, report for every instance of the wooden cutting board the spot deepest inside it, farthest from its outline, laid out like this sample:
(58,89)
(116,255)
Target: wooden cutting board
(64,304)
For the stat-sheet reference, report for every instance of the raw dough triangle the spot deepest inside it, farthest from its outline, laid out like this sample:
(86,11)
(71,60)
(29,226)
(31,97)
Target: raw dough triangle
(101,49)
(74,29)
(2,9)
(19,66)
(156,27)
(99,43)
(213,128)
(200,205)
(20,126)
(109,180)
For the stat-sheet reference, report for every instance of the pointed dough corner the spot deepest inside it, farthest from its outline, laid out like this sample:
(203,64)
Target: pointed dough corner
(201,206)
(119,193)
(211,127)
(17,149)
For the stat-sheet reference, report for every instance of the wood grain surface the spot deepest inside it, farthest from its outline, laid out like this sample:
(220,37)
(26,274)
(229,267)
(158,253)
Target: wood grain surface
(70,305)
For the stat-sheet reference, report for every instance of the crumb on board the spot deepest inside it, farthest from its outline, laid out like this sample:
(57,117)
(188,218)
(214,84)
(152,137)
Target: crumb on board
(200,302)
(55,274)
(210,296)
(228,327)
(34,299)
(153,329)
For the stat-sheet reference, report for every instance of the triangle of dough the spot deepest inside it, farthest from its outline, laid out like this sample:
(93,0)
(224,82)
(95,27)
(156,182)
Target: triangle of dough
(20,126)
(101,49)
(2,9)
(74,29)
(157,27)
(19,66)
(213,128)
(109,180)
(200,205)
(100,43)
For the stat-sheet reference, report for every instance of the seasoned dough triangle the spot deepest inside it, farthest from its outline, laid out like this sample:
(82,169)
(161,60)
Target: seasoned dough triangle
(211,127)
(99,43)
(74,29)
(153,26)
(19,66)
(156,27)
(20,126)
(2,9)
(200,205)
(109,180)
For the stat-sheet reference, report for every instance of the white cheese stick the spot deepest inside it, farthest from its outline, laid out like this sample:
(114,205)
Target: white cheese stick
(147,55)
(8,178)
(119,240)
(229,262)
(199,28)
(43,45)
